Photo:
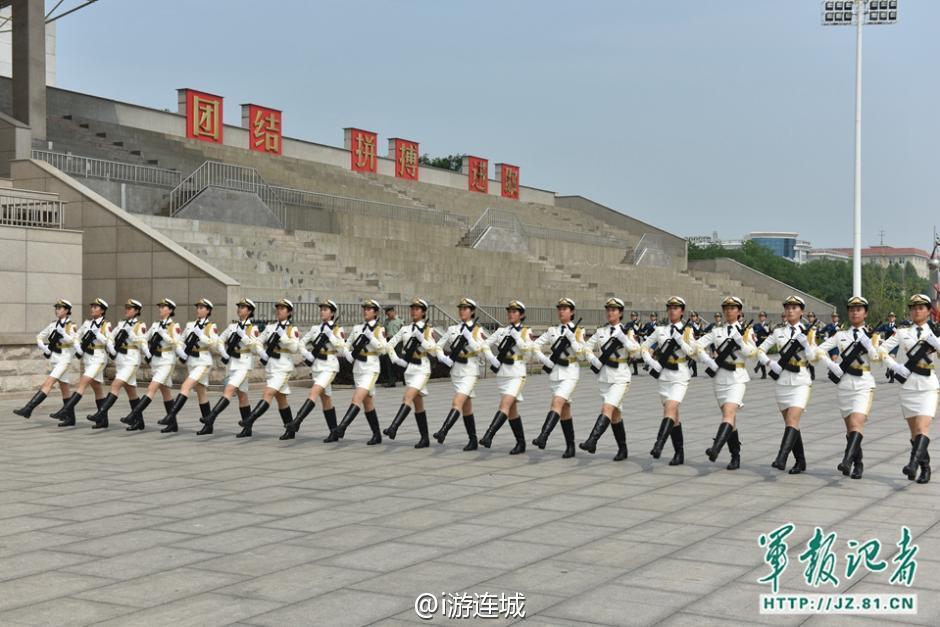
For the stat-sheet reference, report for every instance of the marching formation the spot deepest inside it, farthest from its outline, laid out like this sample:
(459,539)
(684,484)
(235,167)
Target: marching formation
(669,351)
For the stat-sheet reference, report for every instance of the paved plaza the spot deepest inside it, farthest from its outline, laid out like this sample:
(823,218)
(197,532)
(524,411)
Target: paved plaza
(149,529)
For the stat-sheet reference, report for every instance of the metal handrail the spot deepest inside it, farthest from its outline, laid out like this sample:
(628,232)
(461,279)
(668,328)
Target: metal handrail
(89,167)
(495,218)
(225,176)
(25,209)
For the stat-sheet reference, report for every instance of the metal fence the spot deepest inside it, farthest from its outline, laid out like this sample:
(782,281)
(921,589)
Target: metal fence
(25,209)
(654,250)
(505,220)
(225,176)
(90,167)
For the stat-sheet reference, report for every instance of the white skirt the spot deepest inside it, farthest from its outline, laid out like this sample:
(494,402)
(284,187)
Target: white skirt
(60,372)
(366,380)
(855,401)
(512,386)
(792,396)
(564,388)
(673,390)
(238,378)
(415,378)
(126,371)
(277,380)
(465,385)
(199,374)
(325,380)
(614,393)
(919,402)
(163,374)
(93,368)
(730,393)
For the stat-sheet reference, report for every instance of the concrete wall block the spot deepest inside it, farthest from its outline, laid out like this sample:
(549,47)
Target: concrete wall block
(130,239)
(46,288)
(96,288)
(14,286)
(169,265)
(100,239)
(12,252)
(13,318)
(100,266)
(134,265)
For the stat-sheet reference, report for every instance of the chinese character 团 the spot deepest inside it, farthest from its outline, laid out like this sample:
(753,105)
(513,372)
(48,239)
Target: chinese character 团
(206,121)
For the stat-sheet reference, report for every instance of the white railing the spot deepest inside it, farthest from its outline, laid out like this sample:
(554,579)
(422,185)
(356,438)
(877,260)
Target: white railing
(224,176)
(498,219)
(25,208)
(649,251)
(90,167)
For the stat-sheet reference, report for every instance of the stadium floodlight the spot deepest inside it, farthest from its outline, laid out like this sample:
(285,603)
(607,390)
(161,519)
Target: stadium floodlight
(858,13)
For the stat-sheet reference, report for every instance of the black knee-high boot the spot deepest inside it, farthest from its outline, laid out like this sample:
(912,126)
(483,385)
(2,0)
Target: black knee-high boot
(547,427)
(68,405)
(786,445)
(421,418)
(918,454)
(853,444)
(470,425)
(261,407)
(302,414)
(170,419)
(600,426)
(449,422)
(721,438)
(135,419)
(799,455)
(498,420)
(100,418)
(677,444)
(27,410)
(329,415)
(620,436)
(665,428)
(516,424)
(858,467)
(287,417)
(734,447)
(567,427)
(168,405)
(924,467)
(373,419)
(392,430)
(209,419)
(340,429)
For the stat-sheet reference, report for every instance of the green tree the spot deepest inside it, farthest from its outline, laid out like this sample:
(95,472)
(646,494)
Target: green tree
(450,162)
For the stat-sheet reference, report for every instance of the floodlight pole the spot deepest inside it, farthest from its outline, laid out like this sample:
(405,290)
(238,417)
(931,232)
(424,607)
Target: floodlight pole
(857,214)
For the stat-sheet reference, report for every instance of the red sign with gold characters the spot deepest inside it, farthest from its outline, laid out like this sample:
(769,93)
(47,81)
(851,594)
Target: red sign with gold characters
(508,176)
(203,115)
(362,147)
(477,171)
(264,128)
(405,154)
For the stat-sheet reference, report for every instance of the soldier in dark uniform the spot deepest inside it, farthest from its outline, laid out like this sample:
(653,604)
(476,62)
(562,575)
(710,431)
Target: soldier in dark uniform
(761,331)
(648,330)
(885,330)
(698,329)
(635,326)
(831,329)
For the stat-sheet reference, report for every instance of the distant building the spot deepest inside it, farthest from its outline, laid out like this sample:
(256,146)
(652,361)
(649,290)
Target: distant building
(782,243)
(883,256)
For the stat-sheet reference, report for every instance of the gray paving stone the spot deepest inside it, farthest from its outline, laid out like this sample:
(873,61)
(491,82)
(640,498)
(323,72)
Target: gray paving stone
(160,588)
(64,612)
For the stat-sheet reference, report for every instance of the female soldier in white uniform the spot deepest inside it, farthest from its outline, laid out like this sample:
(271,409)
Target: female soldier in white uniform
(507,351)
(162,339)
(125,345)
(858,348)
(416,338)
(674,345)
(56,342)
(91,346)
(365,344)
(733,344)
(920,388)
(566,342)
(199,339)
(617,349)
(797,347)
(327,340)
(459,349)
(237,345)
(276,346)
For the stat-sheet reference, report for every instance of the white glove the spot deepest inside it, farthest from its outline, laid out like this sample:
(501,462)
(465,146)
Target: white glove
(514,334)
(763,359)
(865,341)
(347,356)
(467,333)
(802,339)
(652,363)
(198,333)
(709,363)
(308,356)
(447,361)
(46,353)
(398,361)
(834,368)
(618,334)
(677,336)
(544,360)
(493,361)
(933,340)
(899,369)
(568,333)
(282,331)
(595,362)
(224,355)
(774,367)
(100,336)
(145,349)
(240,332)
(736,336)
(181,354)
(41,345)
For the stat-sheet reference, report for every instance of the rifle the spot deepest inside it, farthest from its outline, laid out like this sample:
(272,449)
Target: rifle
(663,353)
(457,347)
(726,350)
(788,352)
(359,345)
(609,349)
(848,357)
(120,341)
(156,340)
(918,353)
(559,349)
(191,349)
(272,346)
(503,350)
(231,344)
(54,341)
(87,340)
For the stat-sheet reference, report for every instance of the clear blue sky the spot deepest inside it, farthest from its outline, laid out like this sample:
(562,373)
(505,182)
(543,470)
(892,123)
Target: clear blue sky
(731,115)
